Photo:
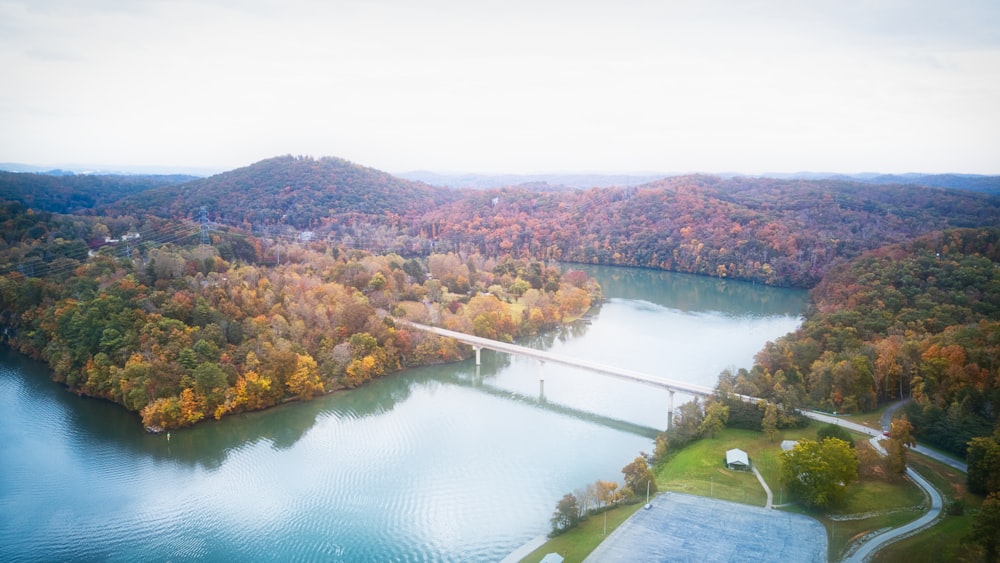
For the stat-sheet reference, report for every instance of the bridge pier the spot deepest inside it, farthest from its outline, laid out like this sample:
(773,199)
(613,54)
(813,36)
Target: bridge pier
(478,349)
(670,408)
(541,380)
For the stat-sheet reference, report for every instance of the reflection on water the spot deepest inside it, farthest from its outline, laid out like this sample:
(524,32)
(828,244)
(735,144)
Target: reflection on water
(687,292)
(445,463)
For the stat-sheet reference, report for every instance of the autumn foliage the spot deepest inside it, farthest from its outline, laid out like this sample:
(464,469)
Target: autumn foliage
(179,334)
(918,320)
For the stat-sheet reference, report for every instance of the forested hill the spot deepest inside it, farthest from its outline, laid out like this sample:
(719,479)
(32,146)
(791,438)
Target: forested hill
(302,192)
(919,319)
(779,232)
(971,182)
(75,193)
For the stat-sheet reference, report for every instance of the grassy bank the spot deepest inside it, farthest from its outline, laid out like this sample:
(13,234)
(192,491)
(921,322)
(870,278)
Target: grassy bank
(576,544)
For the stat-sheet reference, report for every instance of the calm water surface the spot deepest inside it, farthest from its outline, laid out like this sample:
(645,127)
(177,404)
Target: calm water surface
(442,463)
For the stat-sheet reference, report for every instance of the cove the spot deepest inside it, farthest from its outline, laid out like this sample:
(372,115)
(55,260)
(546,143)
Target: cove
(444,463)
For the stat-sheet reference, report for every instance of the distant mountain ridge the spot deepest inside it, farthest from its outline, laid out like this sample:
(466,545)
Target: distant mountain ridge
(73,193)
(102,170)
(550,181)
(969,182)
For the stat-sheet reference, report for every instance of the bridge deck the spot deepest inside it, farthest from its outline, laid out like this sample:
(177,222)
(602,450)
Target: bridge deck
(626,374)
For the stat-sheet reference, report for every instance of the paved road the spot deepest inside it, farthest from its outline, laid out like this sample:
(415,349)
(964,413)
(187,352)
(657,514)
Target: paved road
(945,459)
(872,545)
(613,371)
(839,421)
(890,412)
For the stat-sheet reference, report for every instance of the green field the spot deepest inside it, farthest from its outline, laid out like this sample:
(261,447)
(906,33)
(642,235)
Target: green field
(699,469)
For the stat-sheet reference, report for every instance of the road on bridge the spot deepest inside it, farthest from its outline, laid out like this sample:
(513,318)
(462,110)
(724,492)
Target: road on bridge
(620,373)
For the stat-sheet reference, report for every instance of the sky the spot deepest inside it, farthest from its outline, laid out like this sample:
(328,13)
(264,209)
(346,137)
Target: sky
(536,86)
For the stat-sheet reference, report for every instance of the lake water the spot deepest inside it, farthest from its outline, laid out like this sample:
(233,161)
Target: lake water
(446,463)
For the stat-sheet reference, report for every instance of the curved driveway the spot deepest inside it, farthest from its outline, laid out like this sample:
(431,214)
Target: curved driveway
(873,544)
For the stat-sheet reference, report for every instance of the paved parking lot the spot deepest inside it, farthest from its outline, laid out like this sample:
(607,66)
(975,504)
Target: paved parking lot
(682,527)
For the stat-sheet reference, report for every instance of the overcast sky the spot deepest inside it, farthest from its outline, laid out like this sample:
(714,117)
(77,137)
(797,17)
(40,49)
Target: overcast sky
(505,86)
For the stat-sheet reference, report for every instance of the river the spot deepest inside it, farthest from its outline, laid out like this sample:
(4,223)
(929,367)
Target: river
(445,463)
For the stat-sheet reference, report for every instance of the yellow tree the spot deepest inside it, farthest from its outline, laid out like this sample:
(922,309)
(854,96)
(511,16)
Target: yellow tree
(900,437)
(607,492)
(192,407)
(304,382)
(490,318)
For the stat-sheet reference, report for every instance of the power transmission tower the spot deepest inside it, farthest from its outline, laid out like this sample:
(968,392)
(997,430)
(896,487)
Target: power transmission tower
(204,225)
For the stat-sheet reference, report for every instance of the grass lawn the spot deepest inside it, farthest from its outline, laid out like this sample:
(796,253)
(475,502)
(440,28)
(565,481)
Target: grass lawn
(576,544)
(942,542)
(868,507)
(700,469)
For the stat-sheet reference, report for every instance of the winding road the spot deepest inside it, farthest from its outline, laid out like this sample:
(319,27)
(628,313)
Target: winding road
(873,544)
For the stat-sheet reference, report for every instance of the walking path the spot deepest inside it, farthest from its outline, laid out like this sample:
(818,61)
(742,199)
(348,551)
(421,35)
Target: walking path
(770,497)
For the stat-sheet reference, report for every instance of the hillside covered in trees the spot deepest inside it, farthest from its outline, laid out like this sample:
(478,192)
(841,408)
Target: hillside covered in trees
(77,193)
(302,193)
(919,319)
(307,261)
(778,232)
(179,334)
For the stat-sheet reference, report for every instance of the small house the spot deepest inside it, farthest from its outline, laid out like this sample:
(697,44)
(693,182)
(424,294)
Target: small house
(737,459)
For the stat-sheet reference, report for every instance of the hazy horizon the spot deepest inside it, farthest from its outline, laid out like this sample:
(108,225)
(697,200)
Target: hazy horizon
(155,169)
(521,88)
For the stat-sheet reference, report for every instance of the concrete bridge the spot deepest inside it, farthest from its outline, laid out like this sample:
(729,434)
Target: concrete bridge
(478,343)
